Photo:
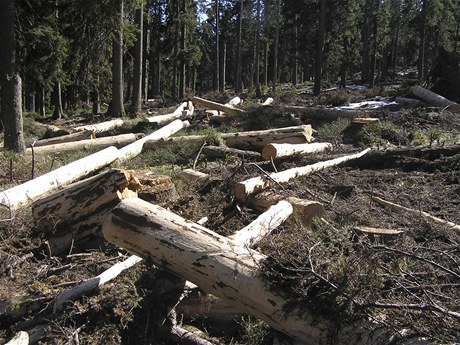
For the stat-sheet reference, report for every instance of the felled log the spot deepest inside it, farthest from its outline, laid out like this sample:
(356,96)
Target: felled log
(99,143)
(181,336)
(55,131)
(218,152)
(102,126)
(92,284)
(245,188)
(162,119)
(415,212)
(191,176)
(217,106)
(410,102)
(285,150)
(32,336)
(216,113)
(364,120)
(254,140)
(263,224)
(319,113)
(32,190)
(221,267)
(435,99)
(81,135)
(268,101)
(307,209)
(135,148)
(76,213)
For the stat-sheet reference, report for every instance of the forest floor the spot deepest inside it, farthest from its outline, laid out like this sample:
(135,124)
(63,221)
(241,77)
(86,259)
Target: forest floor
(373,276)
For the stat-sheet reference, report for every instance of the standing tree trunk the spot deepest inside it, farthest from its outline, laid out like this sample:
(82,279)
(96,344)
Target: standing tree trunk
(116,106)
(157,80)
(183,37)
(366,44)
(10,81)
(57,93)
(257,60)
(145,58)
(223,67)
(136,100)
(295,67)
(319,48)
(175,51)
(375,30)
(275,53)
(238,48)
(42,101)
(421,54)
(215,81)
(265,74)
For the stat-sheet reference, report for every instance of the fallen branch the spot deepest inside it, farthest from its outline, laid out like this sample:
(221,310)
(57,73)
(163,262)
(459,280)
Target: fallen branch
(397,207)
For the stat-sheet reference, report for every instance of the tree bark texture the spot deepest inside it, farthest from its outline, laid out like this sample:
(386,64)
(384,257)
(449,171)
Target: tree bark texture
(10,81)
(221,267)
(320,48)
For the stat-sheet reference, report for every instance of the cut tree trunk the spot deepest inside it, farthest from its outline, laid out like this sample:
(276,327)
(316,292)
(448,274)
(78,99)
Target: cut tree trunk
(307,209)
(231,103)
(81,135)
(134,149)
(76,213)
(263,225)
(410,102)
(254,140)
(268,101)
(415,212)
(101,127)
(256,184)
(217,106)
(364,120)
(435,99)
(285,150)
(191,176)
(155,187)
(33,190)
(219,152)
(98,143)
(162,119)
(320,113)
(221,267)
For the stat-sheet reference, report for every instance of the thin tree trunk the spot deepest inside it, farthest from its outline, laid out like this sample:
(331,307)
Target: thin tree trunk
(375,28)
(182,54)
(42,101)
(136,100)
(365,37)
(116,106)
(421,55)
(57,101)
(275,53)
(175,52)
(10,81)
(265,73)
(238,66)
(319,48)
(32,102)
(295,67)
(257,60)
(215,82)
(146,58)
(223,66)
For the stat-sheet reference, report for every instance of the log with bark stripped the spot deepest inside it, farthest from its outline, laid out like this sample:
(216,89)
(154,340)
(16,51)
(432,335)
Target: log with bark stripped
(76,213)
(118,141)
(176,114)
(268,101)
(252,140)
(190,176)
(37,188)
(222,267)
(245,188)
(285,150)
(307,209)
(435,99)
(102,126)
(330,114)
(135,148)
(231,110)
(217,115)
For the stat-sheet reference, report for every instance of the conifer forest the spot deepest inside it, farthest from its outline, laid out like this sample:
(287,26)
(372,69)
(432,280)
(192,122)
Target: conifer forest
(245,172)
